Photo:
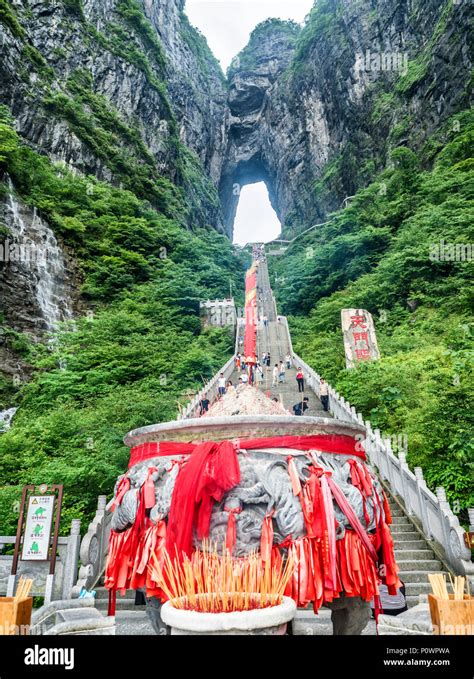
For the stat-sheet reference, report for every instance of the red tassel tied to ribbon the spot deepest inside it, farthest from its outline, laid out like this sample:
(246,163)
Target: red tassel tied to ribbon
(294,478)
(266,540)
(149,489)
(123,487)
(231,533)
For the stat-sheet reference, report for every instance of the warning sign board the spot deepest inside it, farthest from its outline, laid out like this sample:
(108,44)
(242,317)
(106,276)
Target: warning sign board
(39,519)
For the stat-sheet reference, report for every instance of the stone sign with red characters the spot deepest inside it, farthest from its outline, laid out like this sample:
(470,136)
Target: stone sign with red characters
(360,340)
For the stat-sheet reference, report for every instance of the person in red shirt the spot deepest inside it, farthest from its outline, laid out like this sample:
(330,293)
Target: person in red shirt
(300,380)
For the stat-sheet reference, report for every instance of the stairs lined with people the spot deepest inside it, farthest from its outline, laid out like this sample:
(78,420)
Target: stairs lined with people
(413,552)
(273,340)
(417,555)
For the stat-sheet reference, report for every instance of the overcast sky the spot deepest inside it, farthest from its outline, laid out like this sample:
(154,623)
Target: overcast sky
(227,25)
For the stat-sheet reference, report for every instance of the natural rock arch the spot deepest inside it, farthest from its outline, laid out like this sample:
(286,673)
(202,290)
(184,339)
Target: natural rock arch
(249,157)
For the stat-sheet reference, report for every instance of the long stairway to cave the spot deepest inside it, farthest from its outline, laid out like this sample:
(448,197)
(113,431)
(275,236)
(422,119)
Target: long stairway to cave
(273,338)
(415,555)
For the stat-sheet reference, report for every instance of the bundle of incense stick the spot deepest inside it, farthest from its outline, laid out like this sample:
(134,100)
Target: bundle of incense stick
(440,590)
(210,582)
(23,589)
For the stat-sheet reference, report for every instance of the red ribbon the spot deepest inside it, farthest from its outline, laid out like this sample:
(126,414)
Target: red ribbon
(231,533)
(294,478)
(326,443)
(149,489)
(123,487)
(211,471)
(266,540)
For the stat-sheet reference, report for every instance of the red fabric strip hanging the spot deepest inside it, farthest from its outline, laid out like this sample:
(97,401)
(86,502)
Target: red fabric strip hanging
(250,333)
(231,532)
(211,471)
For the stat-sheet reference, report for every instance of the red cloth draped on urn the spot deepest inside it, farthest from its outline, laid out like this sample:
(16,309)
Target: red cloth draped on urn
(326,566)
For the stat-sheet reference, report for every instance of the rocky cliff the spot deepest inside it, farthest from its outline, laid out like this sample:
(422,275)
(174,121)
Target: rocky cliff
(125,90)
(317,116)
(252,148)
(128,91)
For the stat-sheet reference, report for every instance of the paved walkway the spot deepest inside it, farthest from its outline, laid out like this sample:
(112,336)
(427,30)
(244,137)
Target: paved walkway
(272,338)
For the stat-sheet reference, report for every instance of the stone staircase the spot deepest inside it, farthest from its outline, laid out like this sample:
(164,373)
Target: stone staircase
(414,555)
(273,339)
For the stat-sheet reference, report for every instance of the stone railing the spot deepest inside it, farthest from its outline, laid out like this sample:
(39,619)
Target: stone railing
(210,389)
(94,546)
(431,510)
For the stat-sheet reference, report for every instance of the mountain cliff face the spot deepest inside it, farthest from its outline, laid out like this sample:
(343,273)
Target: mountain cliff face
(127,92)
(319,114)
(122,89)
(252,153)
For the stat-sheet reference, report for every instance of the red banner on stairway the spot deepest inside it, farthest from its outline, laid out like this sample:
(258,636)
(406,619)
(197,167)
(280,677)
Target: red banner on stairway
(250,336)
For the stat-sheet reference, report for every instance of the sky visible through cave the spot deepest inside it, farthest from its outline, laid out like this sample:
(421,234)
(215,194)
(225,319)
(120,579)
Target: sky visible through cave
(227,25)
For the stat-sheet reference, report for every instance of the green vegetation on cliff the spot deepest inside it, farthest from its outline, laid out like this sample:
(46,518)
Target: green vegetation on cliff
(384,253)
(134,358)
(163,177)
(246,59)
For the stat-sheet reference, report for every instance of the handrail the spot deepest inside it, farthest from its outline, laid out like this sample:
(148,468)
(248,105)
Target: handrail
(210,389)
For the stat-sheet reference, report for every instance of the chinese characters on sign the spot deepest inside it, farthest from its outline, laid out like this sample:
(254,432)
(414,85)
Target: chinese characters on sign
(39,519)
(360,341)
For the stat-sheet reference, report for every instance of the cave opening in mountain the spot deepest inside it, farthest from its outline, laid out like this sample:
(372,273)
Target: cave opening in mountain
(256,220)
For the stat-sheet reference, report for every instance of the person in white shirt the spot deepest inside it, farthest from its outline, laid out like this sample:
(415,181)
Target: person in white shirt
(244,378)
(221,384)
(275,375)
(288,361)
(281,372)
(324,395)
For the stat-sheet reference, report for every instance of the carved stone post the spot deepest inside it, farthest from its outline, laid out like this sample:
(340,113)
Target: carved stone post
(421,483)
(444,508)
(406,496)
(72,559)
